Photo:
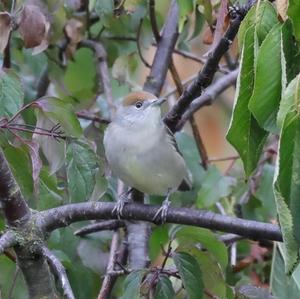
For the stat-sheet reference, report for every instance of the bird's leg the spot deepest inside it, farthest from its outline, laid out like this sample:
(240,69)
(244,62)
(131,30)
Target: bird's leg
(122,200)
(162,212)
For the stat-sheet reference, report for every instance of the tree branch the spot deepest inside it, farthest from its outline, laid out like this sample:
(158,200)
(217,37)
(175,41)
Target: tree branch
(7,240)
(208,96)
(43,84)
(206,75)
(99,226)
(109,280)
(59,271)
(102,69)
(196,133)
(165,47)
(52,219)
(92,117)
(15,208)
(153,21)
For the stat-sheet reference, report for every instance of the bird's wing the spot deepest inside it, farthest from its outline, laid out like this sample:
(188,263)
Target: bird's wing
(187,182)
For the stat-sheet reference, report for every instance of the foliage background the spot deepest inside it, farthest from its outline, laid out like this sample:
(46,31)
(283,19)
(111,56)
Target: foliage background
(236,181)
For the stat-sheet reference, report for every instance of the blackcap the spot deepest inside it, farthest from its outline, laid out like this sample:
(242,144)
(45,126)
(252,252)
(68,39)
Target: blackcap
(141,151)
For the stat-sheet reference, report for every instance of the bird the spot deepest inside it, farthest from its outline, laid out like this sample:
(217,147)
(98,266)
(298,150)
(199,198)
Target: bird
(142,152)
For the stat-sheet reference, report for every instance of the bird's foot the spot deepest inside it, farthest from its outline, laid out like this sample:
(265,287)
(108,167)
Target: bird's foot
(120,204)
(161,214)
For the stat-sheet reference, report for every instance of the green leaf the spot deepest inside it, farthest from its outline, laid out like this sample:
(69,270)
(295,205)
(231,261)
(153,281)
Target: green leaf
(50,194)
(244,132)
(64,259)
(290,54)
(188,148)
(60,112)
(214,279)
(7,276)
(11,93)
(185,8)
(100,186)
(287,187)
(294,12)
(132,285)
(199,22)
(281,284)
(190,274)
(214,187)
(290,100)
(206,8)
(263,18)
(206,238)
(82,164)
(103,8)
(265,195)
(159,236)
(124,66)
(20,164)
(265,99)
(164,288)
(80,78)
(53,150)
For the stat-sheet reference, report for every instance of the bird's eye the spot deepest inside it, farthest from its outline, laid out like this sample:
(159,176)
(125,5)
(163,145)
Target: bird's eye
(138,104)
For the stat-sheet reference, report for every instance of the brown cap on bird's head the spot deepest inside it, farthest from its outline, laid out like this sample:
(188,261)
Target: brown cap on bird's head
(137,96)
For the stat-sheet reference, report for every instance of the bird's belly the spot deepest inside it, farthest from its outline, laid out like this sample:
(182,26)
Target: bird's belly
(152,170)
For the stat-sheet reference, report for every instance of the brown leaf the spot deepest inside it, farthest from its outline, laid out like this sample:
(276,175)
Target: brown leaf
(208,37)
(34,28)
(73,30)
(282,6)
(5,28)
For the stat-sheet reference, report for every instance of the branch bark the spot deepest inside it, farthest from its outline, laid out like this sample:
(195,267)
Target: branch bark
(109,280)
(163,55)
(208,96)
(205,76)
(102,69)
(99,226)
(59,271)
(7,240)
(15,208)
(52,219)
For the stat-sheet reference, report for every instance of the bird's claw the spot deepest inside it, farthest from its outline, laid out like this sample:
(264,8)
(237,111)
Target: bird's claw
(120,204)
(118,209)
(162,212)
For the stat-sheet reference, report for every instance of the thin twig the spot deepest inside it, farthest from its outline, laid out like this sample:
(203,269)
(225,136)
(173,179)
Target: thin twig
(138,35)
(224,159)
(205,76)
(13,283)
(121,38)
(163,55)
(59,271)
(99,226)
(193,123)
(43,83)
(103,71)
(108,279)
(208,96)
(153,20)
(253,182)
(56,134)
(92,117)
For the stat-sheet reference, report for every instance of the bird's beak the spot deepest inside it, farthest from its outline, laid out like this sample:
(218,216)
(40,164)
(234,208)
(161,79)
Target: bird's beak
(159,102)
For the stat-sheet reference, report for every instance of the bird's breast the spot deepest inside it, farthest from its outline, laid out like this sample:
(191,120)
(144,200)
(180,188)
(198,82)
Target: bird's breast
(144,159)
